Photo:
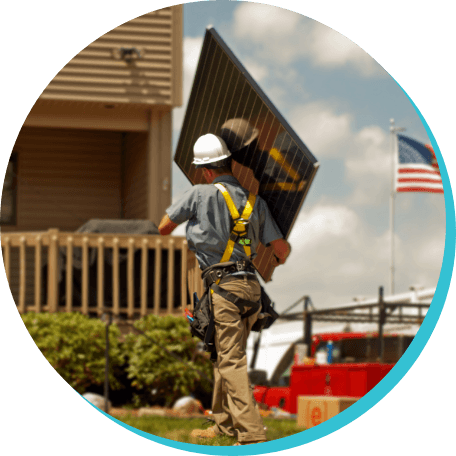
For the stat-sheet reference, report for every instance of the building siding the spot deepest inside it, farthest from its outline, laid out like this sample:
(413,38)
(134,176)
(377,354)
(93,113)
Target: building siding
(99,74)
(66,177)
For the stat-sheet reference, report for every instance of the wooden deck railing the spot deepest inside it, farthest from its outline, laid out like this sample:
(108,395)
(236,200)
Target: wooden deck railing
(40,267)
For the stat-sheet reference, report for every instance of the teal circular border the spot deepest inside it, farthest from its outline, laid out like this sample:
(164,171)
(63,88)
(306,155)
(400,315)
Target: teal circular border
(388,383)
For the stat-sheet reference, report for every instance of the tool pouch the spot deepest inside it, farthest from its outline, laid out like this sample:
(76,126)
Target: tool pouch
(267,315)
(202,325)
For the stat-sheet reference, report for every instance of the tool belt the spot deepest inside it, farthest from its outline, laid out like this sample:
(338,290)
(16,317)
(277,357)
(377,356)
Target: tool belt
(219,271)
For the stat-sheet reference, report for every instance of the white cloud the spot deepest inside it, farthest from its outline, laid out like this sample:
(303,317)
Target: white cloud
(370,153)
(430,253)
(282,37)
(323,222)
(368,166)
(272,21)
(321,128)
(270,28)
(329,48)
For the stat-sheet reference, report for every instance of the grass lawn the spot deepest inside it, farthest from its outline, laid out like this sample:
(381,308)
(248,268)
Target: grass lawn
(179,428)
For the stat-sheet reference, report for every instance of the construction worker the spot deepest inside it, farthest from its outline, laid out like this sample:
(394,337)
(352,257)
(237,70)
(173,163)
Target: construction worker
(210,210)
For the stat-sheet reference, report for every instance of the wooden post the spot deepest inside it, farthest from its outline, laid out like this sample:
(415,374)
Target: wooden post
(69,275)
(115,276)
(144,271)
(100,276)
(170,275)
(22,275)
(38,274)
(53,272)
(157,278)
(131,277)
(85,275)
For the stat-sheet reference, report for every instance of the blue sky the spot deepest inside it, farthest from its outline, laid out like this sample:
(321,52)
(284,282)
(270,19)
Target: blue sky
(339,101)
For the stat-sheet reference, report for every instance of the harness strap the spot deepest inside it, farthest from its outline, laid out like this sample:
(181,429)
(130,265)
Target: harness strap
(240,303)
(240,222)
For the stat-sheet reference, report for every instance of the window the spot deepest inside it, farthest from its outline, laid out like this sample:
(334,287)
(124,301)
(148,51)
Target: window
(8,206)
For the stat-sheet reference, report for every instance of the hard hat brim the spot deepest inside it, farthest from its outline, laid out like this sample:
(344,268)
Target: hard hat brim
(212,163)
(202,161)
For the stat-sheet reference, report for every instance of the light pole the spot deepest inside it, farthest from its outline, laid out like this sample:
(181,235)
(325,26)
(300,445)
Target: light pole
(394,152)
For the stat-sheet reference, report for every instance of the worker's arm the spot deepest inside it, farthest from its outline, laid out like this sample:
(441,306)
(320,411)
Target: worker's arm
(281,249)
(167,226)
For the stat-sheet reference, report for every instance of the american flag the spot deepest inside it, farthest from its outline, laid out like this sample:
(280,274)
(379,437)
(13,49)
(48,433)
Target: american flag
(417,169)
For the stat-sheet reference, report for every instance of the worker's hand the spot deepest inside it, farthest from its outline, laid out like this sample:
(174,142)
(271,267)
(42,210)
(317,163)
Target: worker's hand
(167,226)
(281,251)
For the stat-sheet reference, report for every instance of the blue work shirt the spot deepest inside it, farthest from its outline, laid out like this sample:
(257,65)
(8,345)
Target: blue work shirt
(209,220)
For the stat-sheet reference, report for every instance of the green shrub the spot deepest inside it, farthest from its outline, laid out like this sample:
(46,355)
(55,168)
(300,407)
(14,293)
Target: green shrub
(74,345)
(152,369)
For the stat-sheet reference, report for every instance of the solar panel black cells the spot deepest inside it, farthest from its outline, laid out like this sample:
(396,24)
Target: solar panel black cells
(268,157)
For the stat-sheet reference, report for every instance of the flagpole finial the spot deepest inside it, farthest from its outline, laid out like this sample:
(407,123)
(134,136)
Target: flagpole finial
(391,123)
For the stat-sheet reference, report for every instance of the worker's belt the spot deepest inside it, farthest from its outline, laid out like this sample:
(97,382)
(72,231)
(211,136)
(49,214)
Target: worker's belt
(217,272)
(214,274)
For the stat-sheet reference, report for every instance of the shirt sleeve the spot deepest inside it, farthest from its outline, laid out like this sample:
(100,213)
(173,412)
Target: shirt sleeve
(185,207)
(269,231)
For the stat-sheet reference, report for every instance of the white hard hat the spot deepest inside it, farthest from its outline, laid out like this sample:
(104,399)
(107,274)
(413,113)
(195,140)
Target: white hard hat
(210,149)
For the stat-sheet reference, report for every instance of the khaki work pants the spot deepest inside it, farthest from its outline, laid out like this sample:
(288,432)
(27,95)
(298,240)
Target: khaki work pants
(234,408)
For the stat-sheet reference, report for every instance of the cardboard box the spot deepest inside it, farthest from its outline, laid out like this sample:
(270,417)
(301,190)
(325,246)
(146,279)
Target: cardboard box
(313,410)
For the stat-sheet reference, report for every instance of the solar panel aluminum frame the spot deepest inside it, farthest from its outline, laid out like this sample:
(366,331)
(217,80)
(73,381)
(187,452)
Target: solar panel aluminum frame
(263,259)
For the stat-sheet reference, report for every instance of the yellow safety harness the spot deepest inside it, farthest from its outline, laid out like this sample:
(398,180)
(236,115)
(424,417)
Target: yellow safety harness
(202,322)
(241,223)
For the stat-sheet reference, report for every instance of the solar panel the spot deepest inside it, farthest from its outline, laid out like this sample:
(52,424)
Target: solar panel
(268,157)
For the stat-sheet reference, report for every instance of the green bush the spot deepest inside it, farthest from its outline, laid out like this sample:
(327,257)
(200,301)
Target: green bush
(152,369)
(74,345)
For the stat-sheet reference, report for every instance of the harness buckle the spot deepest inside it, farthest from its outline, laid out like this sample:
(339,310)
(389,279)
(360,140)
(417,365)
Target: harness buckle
(241,265)
(241,227)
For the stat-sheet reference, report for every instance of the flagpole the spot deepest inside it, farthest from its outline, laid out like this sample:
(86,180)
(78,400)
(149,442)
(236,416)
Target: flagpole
(394,155)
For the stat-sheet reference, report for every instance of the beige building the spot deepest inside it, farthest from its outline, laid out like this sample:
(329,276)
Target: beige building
(97,145)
